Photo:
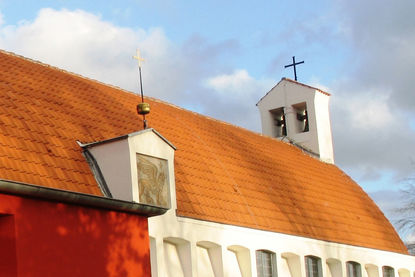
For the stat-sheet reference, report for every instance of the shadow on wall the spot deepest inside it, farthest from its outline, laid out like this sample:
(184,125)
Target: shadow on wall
(55,239)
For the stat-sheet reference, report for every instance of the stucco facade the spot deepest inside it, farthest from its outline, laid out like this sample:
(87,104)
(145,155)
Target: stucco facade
(206,249)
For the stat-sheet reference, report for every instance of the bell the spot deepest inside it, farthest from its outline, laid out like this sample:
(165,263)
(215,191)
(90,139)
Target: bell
(143,108)
(302,116)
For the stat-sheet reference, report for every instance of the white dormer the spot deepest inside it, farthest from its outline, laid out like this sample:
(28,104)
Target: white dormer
(300,114)
(137,167)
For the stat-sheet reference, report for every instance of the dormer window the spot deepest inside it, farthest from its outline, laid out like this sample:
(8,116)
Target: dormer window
(302,123)
(280,125)
(138,167)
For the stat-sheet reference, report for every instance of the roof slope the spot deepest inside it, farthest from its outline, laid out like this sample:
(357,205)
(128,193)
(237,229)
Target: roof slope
(223,173)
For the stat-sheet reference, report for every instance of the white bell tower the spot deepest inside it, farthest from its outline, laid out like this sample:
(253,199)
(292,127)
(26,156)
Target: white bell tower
(298,113)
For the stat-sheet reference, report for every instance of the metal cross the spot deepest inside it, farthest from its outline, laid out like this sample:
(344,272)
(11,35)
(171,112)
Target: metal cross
(138,58)
(294,64)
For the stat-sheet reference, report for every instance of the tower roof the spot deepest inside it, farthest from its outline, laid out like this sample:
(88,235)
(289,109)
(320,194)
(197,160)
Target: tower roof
(223,174)
(284,79)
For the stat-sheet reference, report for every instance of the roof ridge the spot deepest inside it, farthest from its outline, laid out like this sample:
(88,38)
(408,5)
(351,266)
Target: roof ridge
(305,85)
(64,70)
(294,82)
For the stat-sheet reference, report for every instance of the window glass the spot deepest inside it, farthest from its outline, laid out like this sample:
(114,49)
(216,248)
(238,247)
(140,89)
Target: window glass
(313,266)
(265,263)
(353,269)
(388,271)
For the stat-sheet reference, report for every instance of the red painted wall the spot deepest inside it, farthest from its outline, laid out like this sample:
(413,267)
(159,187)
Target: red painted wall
(42,238)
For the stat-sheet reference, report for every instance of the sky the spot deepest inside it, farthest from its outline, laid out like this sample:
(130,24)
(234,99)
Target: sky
(219,58)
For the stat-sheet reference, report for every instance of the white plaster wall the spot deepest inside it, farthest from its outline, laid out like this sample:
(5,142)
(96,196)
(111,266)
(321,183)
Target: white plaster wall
(403,273)
(172,260)
(292,248)
(204,264)
(232,266)
(325,140)
(371,270)
(333,268)
(291,265)
(114,161)
(153,256)
(215,257)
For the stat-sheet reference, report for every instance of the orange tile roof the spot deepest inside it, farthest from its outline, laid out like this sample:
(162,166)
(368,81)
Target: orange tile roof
(223,173)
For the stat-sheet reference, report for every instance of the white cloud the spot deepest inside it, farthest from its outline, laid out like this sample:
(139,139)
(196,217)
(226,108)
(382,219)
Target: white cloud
(367,111)
(374,98)
(237,84)
(382,39)
(315,82)
(371,136)
(85,44)
(236,94)
(80,42)
(234,82)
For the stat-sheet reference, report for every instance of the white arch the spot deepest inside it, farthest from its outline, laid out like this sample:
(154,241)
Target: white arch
(291,265)
(334,268)
(372,270)
(242,256)
(177,257)
(403,272)
(209,259)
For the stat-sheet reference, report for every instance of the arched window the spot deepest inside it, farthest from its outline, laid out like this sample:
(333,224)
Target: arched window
(266,263)
(353,269)
(388,271)
(313,266)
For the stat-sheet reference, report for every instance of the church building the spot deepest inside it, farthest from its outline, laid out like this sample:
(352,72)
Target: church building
(85,190)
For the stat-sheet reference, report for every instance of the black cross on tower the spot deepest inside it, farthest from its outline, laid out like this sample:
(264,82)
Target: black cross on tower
(294,64)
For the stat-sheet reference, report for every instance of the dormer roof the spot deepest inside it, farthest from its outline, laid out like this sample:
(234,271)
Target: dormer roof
(91,144)
(223,173)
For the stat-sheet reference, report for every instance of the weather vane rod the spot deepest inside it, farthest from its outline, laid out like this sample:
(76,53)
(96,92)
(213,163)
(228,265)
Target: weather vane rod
(142,108)
(293,65)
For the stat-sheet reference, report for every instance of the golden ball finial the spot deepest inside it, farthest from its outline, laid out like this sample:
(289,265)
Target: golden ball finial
(143,108)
